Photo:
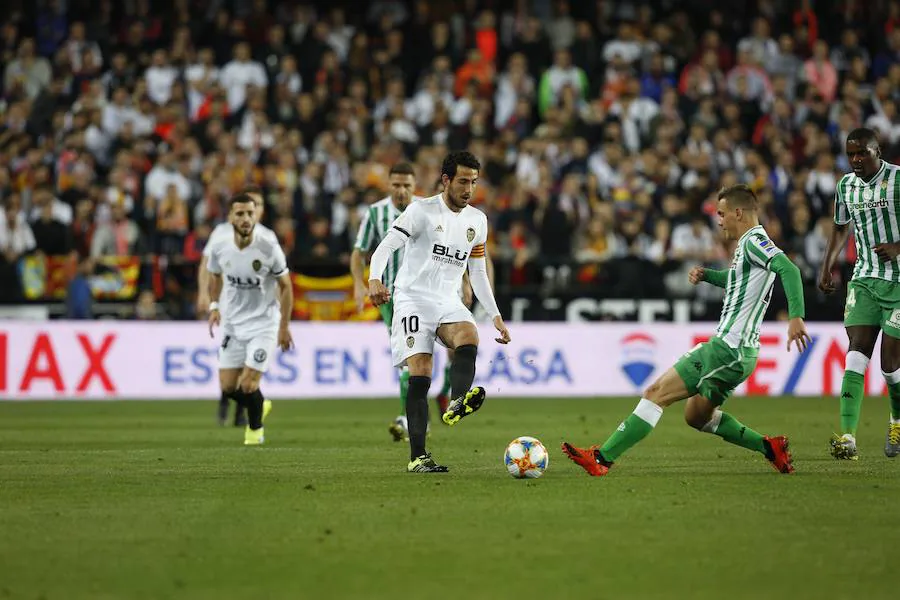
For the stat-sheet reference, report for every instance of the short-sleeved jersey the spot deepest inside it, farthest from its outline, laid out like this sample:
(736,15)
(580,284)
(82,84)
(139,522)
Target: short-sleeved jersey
(249,301)
(438,246)
(226,231)
(873,208)
(375,224)
(748,289)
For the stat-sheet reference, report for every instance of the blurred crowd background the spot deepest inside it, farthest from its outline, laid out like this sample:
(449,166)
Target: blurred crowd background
(604,128)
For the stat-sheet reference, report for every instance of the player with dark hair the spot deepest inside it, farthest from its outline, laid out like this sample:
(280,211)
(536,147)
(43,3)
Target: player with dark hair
(226,231)
(245,272)
(441,236)
(868,197)
(707,374)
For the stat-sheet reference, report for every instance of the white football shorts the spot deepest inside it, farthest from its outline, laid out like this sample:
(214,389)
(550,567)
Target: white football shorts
(415,325)
(255,352)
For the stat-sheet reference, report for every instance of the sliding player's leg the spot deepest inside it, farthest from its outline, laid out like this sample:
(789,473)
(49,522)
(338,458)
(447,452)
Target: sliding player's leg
(706,416)
(711,370)
(597,460)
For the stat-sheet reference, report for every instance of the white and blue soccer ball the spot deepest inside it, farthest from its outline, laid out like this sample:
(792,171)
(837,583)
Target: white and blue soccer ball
(526,458)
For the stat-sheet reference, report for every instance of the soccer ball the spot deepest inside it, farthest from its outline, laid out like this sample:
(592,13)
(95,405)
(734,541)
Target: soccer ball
(526,458)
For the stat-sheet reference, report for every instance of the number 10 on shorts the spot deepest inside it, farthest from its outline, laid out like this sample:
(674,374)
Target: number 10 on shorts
(410,324)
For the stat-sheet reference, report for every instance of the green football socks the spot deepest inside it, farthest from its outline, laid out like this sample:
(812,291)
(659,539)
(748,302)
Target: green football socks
(852,389)
(734,432)
(632,430)
(894,392)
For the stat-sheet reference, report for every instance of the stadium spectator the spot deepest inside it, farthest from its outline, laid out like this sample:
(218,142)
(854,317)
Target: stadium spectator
(79,297)
(603,134)
(16,240)
(120,236)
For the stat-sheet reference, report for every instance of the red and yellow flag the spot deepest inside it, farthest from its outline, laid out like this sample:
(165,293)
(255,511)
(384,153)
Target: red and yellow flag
(329,299)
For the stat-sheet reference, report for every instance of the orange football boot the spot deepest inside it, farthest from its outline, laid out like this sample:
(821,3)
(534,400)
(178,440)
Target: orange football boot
(779,454)
(588,459)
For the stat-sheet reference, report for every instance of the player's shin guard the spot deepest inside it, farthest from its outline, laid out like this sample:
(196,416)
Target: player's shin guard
(852,390)
(734,432)
(404,388)
(893,384)
(417,414)
(632,430)
(462,371)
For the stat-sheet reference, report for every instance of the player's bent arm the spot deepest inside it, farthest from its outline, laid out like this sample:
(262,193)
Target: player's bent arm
(481,286)
(358,267)
(790,277)
(285,298)
(716,278)
(393,241)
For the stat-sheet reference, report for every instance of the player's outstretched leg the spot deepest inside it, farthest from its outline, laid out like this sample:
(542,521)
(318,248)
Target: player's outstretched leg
(703,415)
(597,460)
(466,399)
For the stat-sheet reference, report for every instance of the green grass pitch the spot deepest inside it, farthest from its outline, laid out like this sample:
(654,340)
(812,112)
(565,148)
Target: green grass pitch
(153,500)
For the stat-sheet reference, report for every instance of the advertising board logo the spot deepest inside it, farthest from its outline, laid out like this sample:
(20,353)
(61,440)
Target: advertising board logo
(638,357)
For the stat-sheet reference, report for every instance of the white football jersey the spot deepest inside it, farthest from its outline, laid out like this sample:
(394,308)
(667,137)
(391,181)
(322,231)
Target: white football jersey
(249,300)
(438,246)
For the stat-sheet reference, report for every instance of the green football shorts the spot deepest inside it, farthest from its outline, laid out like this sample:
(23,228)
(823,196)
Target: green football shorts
(714,369)
(874,302)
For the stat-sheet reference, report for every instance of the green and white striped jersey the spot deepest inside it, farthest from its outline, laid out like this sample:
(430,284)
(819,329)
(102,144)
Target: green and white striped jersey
(873,208)
(748,289)
(375,224)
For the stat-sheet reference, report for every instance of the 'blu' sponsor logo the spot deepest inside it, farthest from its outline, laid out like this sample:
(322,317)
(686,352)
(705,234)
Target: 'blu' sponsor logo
(638,357)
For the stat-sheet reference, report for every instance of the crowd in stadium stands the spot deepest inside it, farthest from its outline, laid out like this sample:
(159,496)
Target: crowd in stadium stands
(604,127)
